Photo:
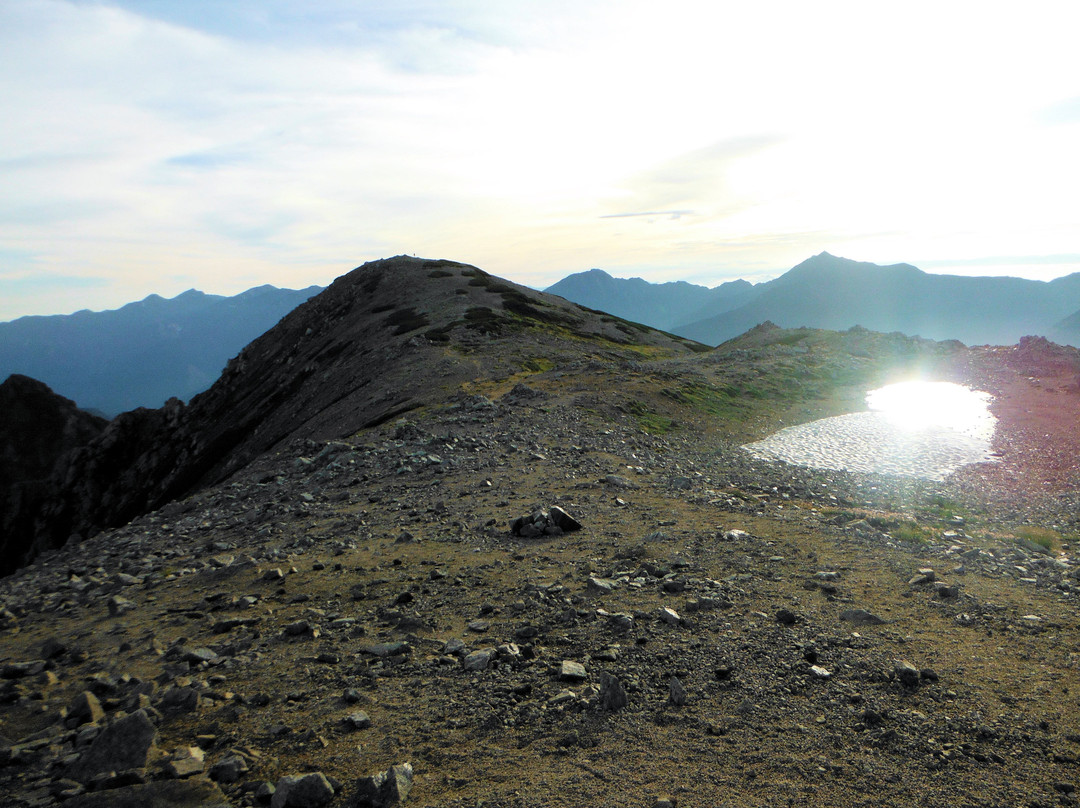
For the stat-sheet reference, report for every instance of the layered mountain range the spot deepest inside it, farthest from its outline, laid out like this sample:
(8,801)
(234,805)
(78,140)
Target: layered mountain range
(826,291)
(146,352)
(439,539)
(364,351)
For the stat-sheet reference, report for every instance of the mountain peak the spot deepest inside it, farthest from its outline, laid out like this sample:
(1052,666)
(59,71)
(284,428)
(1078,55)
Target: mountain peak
(389,337)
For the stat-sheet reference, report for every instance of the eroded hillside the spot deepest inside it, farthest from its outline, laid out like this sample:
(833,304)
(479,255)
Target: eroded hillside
(718,631)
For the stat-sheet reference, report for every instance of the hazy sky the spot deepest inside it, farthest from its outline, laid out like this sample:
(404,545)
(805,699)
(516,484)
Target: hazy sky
(158,145)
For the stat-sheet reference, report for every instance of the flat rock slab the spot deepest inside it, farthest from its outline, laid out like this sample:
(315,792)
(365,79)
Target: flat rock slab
(125,744)
(571,671)
(195,792)
(861,617)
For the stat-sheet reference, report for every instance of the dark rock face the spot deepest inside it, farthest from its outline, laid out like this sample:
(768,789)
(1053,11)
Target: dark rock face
(366,350)
(385,789)
(196,792)
(127,744)
(37,429)
(146,352)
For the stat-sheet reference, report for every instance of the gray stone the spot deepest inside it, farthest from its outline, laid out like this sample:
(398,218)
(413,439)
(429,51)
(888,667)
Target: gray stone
(385,789)
(302,791)
(786,617)
(119,606)
(861,617)
(669,616)
(600,586)
(197,656)
(53,648)
(563,520)
(676,692)
(571,671)
(478,660)
(945,591)
(612,694)
(907,673)
(508,652)
(181,699)
(923,576)
(84,709)
(229,770)
(301,628)
(124,744)
(358,720)
(620,621)
(185,761)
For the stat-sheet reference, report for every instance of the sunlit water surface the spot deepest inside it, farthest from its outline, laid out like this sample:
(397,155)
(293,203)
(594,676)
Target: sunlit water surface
(913,429)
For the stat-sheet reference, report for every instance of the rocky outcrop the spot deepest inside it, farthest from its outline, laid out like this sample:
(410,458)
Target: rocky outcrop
(37,429)
(365,351)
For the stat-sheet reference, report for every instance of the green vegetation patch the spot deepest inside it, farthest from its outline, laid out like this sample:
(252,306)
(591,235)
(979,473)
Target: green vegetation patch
(1045,537)
(944,508)
(724,402)
(440,273)
(484,320)
(651,421)
(538,364)
(406,320)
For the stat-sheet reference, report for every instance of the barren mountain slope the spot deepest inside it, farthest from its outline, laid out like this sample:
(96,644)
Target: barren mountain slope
(719,631)
(386,338)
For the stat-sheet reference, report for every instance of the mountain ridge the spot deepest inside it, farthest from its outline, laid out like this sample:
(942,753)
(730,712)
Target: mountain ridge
(827,291)
(347,359)
(144,352)
(489,547)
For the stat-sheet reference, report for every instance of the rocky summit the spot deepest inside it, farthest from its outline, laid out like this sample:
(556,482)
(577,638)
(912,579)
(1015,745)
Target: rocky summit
(440,540)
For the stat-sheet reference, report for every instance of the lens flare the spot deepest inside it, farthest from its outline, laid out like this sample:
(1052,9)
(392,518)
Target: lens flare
(915,429)
(919,406)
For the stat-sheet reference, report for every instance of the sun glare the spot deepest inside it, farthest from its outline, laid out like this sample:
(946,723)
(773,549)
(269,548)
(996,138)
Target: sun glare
(920,405)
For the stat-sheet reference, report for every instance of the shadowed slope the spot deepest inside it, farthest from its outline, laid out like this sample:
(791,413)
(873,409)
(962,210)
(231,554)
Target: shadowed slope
(389,337)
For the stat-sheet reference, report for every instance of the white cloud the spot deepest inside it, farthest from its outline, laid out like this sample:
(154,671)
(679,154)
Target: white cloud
(231,143)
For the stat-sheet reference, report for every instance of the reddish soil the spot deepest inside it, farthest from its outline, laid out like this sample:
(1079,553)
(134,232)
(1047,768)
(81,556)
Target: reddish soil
(1036,389)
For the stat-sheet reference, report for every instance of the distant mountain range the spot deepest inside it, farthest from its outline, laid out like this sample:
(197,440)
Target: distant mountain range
(661,305)
(836,293)
(146,352)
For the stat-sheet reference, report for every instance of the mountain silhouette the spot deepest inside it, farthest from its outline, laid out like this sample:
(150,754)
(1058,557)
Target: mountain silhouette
(827,291)
(369,348)
(146,352)
(661,305)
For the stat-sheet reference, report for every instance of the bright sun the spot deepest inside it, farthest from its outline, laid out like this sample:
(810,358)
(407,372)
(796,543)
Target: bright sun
(918,406)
